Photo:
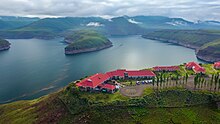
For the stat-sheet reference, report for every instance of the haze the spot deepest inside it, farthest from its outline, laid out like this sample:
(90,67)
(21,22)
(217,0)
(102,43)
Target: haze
(189,9)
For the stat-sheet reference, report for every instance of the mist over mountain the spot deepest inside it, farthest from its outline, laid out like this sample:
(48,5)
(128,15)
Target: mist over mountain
(24,27)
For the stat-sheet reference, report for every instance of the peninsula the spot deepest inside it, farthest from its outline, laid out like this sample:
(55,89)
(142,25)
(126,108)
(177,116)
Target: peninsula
(85,41)
(205,42)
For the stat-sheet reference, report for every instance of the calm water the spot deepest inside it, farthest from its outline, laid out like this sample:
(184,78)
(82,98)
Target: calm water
(33,67)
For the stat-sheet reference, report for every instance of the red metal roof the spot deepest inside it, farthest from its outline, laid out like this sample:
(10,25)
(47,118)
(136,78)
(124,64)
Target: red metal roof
(119,72)
(196,67)
(217,64)
(166,68)
(191,64)
(98,79)
(108,86)
(141,73)
(93,81)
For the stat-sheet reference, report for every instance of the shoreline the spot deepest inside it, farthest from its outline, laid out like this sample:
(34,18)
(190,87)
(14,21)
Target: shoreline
(74,52)
(3,48)
(196,48)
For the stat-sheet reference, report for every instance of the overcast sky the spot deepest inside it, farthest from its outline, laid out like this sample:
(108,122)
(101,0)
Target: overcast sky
(188,9)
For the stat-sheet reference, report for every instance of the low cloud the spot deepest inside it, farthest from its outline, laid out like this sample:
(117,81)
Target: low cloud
(188,9)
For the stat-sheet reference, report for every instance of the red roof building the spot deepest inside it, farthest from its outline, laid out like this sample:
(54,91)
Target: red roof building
(107,86)
(98,81)
(166,68)
(130,73)
(140,73)
(93,81)
(117,73)
(217,65)
(195,67)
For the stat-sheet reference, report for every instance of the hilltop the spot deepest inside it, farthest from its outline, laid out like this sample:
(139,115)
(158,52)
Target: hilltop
(71,106)
(205,42)
(171,100)
(86,41)
(4,45)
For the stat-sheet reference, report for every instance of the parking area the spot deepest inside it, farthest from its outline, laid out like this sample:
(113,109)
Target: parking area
(134,91)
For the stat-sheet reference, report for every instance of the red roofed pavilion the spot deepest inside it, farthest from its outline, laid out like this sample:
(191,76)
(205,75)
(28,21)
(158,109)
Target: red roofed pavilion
(93,81)
(140,73)
(195,67)
(166,68)
(217,65)
(122,73)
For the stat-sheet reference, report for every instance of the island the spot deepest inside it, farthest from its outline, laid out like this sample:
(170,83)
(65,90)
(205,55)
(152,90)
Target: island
(86,41)
(206,43)
(186,93)
(4,45)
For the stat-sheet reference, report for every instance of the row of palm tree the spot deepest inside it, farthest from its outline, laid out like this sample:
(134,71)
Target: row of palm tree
(163,80)
(201,82)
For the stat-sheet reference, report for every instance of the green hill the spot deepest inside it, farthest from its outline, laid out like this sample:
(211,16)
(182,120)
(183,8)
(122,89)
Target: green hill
(206,42)
(72,106)
(210,50)
(86,41)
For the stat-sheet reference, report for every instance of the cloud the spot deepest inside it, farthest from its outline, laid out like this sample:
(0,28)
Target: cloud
(189,9)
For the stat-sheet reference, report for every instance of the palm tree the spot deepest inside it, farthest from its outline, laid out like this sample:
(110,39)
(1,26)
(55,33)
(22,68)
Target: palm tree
(157,82)
(187,76)
(216,78)
(218,84)
(205,84)
(161,80)
(153,82)
(195,81)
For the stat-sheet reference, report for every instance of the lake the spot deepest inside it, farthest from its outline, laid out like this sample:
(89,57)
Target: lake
(33,67)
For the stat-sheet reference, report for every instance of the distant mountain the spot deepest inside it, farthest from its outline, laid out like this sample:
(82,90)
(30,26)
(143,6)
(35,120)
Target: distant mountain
(160,22)
(122,26)
(4,25)
(60,24)
(19,27)
(11,22)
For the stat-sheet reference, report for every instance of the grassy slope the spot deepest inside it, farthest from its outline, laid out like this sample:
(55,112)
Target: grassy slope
(86,39)
(192,37)
(72,106)
(210,49)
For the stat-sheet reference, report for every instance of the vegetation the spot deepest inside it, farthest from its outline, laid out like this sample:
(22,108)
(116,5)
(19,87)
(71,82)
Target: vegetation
(4,43)
(72,106)
(207,42)
(211,49)
(86,39)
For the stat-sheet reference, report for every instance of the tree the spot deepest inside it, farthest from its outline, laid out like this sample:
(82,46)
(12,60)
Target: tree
(216,78)
(211,82)
(157,82)
(187,76)
(218,84)
(153,82)
(195,81)
(205,84)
